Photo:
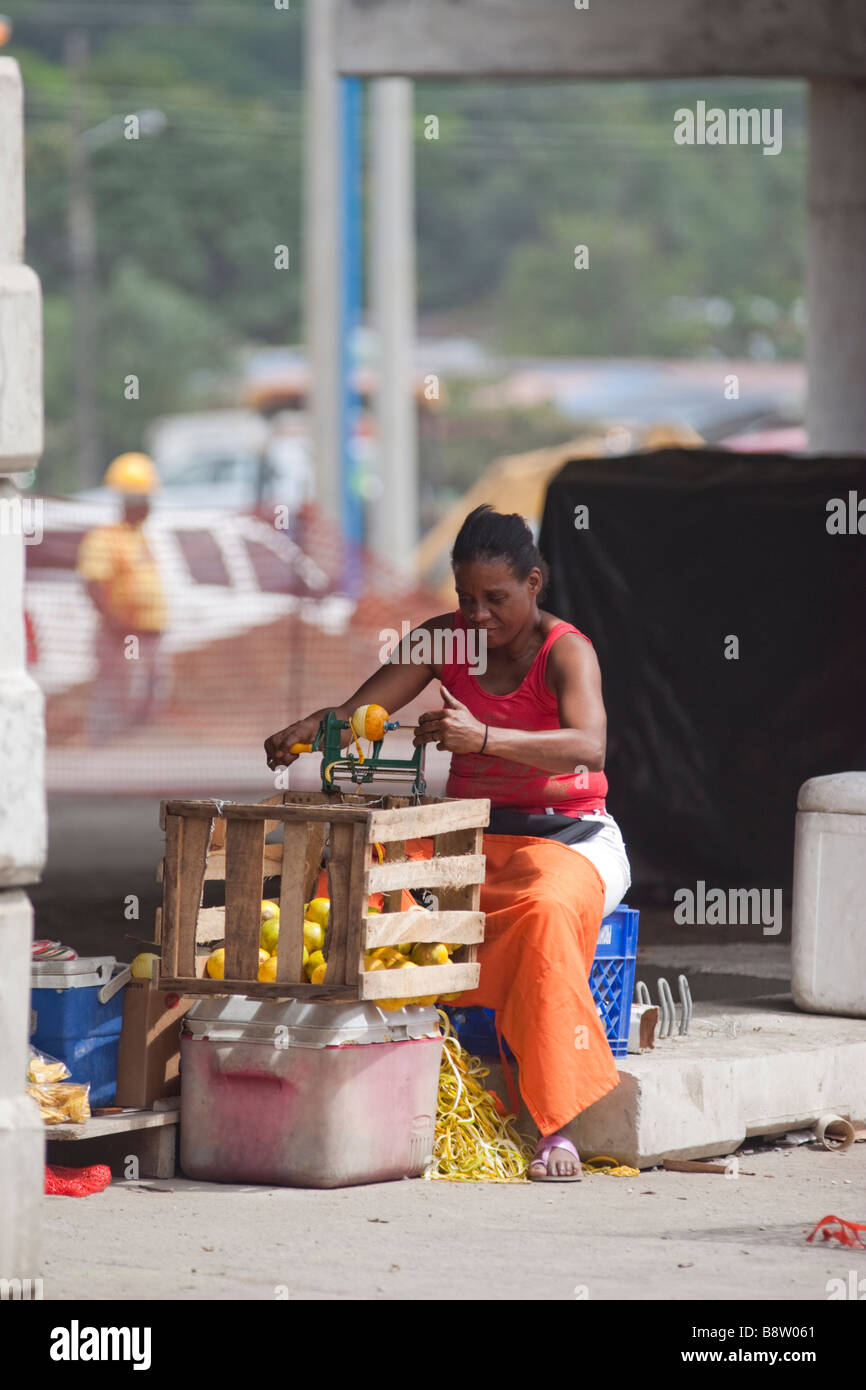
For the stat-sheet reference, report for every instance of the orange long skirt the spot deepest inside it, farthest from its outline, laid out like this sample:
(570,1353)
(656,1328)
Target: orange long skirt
(544,905)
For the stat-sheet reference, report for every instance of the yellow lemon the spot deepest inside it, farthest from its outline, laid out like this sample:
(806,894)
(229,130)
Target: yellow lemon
(373,963)
(319,973)
(142,967)
(391,1004)
(314,936)
(268,970)
(264,955)
(424,999)
(306,956)
(387,954)
(269,935)
(314,960)
(430,953)
(403,963)
(406,947)
(449,998)
(270,910)
(318,910)
(216,964)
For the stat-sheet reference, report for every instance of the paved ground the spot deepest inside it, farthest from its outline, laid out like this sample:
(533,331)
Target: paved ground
(661,1235)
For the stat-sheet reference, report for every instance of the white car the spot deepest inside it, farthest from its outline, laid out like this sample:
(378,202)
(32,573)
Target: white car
(222,573)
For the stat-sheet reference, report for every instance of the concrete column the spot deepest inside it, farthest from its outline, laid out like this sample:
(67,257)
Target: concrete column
(393,525)
(836,267)
(22,795)
(321,251)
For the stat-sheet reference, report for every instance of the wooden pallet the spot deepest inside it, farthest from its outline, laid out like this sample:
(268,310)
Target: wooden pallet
(150,1136)
(203,843)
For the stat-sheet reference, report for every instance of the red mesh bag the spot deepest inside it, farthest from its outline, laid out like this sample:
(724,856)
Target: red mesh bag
(76,1182)
(836,1228)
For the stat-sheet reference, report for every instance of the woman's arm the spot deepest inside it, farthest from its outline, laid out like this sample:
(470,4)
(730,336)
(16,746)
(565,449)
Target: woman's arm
(392,686)
(574,677)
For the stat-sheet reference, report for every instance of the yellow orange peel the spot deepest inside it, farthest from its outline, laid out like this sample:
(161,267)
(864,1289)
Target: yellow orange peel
(603,1163)
(473,1142)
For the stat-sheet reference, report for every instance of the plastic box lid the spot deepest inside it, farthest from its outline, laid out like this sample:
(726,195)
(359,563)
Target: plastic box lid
(83,973)
(842,793)
(235,1018)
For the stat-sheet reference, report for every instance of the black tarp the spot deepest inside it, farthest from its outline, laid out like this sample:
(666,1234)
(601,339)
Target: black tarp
(684,549)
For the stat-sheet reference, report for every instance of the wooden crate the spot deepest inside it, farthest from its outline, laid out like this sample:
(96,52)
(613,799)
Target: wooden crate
(204,842)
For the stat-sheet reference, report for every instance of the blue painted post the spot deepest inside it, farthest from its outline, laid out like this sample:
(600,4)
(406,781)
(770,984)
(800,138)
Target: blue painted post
(351,173)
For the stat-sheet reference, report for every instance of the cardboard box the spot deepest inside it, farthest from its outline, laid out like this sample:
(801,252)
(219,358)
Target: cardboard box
(148,1060)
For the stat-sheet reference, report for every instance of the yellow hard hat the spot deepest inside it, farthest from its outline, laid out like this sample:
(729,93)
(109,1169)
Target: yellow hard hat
(132,474)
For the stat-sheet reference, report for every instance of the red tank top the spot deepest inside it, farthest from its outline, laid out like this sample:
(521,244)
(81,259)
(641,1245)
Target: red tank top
(530,706)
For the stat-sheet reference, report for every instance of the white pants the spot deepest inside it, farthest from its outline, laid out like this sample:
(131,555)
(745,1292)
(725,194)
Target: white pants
(607,852)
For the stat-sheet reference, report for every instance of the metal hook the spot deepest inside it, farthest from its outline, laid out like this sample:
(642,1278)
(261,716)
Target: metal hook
(666,1002)
(685,1002)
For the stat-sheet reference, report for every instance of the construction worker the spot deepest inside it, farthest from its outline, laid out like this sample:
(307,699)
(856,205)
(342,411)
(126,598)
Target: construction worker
(125,588)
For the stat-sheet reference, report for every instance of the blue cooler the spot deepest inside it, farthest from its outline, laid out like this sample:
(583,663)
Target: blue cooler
(76,1016)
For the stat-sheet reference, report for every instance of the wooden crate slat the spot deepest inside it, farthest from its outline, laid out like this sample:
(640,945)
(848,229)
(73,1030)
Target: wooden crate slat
(234,811)
(290,947)
(194,841)
(244,845)
(313,861)
(413,822)
(467,897)
(338,884)
(395,851)
(256,989)
(390,928)
(428,873)
(425,979)
(169,940)
(358,878)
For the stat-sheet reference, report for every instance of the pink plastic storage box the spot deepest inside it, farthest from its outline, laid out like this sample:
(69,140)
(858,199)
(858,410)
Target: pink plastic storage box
(307,1094)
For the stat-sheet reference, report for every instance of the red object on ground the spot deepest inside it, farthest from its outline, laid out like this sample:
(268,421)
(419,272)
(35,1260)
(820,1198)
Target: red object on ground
(76,1182)
(846,1232)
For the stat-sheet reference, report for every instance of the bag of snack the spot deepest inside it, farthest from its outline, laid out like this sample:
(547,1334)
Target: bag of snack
(62,1102)
(43,1068)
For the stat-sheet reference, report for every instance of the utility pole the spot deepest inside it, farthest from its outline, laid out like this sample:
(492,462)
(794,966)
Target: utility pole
(322,251)
(82,260)
(394,522)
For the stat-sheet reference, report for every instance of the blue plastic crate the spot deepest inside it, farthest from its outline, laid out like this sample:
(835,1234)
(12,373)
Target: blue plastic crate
(611,981)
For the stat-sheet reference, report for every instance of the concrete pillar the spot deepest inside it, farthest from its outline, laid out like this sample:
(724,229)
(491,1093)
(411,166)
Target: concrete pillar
(321,264)
(22,795)
(393,528)
(836,267)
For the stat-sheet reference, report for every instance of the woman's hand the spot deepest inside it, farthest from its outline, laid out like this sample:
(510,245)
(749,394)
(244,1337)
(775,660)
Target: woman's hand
(278,745)
(453,729)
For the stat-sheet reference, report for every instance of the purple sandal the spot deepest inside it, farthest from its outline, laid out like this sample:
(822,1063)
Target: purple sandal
(556,1141)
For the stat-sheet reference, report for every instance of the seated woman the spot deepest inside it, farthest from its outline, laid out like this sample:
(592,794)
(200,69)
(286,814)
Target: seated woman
(525,725)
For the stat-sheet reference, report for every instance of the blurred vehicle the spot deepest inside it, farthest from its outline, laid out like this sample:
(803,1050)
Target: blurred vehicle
(228,458)
(222,575)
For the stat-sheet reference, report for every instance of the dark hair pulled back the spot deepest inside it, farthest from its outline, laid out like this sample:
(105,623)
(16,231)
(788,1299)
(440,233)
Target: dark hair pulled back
(490,535)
